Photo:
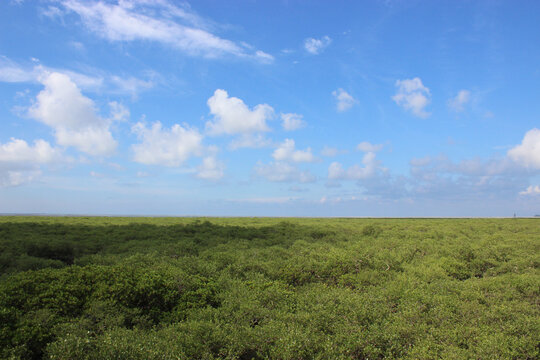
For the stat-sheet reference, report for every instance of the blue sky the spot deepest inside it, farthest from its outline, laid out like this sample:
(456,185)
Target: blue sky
(270,108)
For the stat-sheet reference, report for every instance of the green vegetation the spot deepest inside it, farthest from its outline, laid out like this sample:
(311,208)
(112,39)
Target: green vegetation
(185,288)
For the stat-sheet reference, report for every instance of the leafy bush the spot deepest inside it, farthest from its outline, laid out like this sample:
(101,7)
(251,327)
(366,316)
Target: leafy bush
(126,288)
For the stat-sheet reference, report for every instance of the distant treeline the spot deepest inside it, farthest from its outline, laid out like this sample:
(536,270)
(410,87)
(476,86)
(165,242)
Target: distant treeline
(269,289)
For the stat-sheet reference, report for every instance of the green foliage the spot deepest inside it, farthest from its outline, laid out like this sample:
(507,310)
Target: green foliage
(134,288)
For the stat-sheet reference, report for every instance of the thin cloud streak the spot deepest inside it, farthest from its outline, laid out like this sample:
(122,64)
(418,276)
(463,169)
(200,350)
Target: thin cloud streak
(130,21)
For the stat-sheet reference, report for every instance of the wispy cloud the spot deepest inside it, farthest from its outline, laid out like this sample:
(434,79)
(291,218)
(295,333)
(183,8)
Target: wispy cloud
(253,141)
(329,151)
(283,172)
(13,72)
(458,102)
(266,200)
(160,21)
(94,80)
(366,146)
(130,85)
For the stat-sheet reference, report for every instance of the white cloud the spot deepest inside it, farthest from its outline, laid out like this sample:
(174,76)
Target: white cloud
(95,81)
(439,177)
(329,151)
(292,121)
(166,147)
(355,172)
(458,103)
(267,200)
(159,21)
(210,169)
(249,141)
(263,57)
(316,46)
(97,175)
(336,200)
(87,82)
(52,12)
(412,95)
(232,116)
(20,162)
(130,85)
(428,166)
(12,72)
(527,153)
(531,190)
(344,100)
(118,111)
(18,151)
(77,45)
(369,147)
(286,152)
(283,172)
(73,117)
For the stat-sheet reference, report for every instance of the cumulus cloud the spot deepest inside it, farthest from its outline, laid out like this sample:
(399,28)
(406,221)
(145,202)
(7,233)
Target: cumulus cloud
(439,177)
(292,121)
(210,169)
(160,21)
(527,153)
(413,96)
(369,147)
(63,107)
(458,102)
(531,190)
(316,46)
(286,152)
(18,151)
(20,162)
(344,101)
(283,172)
(167,147)
(355,172)
(232,115)
(285,168)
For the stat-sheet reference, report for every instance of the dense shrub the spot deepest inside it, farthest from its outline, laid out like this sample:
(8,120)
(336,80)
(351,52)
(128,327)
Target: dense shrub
(113,288)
